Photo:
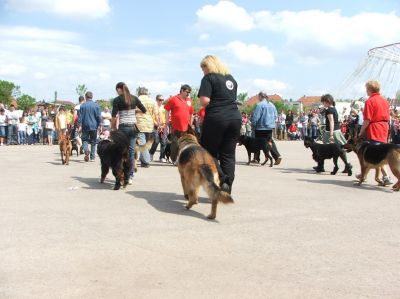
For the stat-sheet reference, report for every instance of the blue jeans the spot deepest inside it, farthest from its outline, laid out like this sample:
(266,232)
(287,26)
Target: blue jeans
(159,139)
(144,152)
(131,133)
(12,134)
(90,137)
(314,132)
(22,137)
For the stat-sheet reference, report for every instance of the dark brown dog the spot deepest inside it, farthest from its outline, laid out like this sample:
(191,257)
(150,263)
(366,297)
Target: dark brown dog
(65,148)
(375,156)
(197,168)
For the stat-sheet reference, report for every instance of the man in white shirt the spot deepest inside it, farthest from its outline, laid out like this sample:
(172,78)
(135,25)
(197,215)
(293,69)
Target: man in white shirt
(12,120)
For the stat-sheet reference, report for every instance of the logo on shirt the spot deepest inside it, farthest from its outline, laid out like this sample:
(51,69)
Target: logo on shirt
(189,103)
(229,84)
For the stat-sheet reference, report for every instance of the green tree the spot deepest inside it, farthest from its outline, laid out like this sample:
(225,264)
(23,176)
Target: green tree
(195,99)
(104,103)
(242,97)
(7,90)
(81,89)
(26,102)
(398,95)
(247,108)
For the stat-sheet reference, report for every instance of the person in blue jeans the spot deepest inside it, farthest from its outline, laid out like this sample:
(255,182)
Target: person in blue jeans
(89,122)
(125,106)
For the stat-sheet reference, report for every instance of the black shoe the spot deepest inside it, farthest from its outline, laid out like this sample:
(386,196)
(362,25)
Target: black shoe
(145,165)
(226,188)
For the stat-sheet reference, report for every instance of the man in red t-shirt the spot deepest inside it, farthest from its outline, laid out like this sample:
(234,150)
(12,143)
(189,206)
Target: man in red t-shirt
(376,114)
(376,118)
(179,111)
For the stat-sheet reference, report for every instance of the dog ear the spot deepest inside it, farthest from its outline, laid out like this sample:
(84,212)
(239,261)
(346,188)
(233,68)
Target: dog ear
(190,131)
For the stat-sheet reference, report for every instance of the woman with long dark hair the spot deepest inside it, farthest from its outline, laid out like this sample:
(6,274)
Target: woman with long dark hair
(332,134)
(125,106)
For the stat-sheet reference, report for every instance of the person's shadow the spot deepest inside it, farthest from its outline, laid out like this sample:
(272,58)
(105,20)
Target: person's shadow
(168,202)
(94,183)
(348,184)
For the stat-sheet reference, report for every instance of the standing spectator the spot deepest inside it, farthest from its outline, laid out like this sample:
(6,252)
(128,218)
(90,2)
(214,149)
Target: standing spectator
(12,120)
(304,123)
(263,121)
(160,130)
(289,119)
(376,119)
(124,106)
(221,126)
(332,134)
(180,109)
(145,123)
(44,119)
(280,125)
(314,123)
(245,119)
(3,125)
(77,109)
(49,130)
(89,122)
(106,119)
(61,123)
(22,129)
(248,128)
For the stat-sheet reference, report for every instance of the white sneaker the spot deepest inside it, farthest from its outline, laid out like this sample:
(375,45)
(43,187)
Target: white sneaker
(162,160)
(130,182)
(386,181)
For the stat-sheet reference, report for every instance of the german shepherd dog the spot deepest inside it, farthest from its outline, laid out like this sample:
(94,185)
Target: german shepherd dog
(114,154)
(321,152)
(197,168)
(254,145)
(65,148)
(375,155)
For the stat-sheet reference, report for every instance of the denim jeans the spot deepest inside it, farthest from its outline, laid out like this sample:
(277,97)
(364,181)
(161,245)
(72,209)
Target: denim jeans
(131,133)
(90,137)
(22,137)
(159,139)
(12,134)
(144,152)
(314,132)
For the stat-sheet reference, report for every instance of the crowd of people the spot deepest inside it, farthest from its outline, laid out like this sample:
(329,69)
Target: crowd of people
(218,123)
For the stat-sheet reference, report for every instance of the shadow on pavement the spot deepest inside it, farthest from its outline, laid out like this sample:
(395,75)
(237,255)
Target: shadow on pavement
(349,184)
(94,183)
(171,203)
(297,170)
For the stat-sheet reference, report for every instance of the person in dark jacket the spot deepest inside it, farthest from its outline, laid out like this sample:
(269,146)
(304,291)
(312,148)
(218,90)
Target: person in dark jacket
(222,122)
(89,122)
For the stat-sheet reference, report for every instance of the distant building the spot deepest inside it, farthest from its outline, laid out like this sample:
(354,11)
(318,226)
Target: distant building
(310,101)
(254,99)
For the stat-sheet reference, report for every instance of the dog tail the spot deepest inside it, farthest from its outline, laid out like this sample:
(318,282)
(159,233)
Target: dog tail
(213,189)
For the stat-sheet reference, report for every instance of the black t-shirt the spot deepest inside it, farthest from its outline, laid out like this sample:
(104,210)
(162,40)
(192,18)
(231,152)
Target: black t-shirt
(222,91)
(331,110)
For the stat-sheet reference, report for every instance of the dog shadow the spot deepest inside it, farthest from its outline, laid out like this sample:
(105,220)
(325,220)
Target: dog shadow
(297,170)
(349,184)
(170,203)
(70,161)
(94,183)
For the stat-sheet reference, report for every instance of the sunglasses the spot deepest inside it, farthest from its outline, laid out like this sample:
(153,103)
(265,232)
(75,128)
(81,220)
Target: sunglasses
(160,100)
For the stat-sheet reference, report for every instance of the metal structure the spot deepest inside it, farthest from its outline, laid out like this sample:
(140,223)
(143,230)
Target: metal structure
(382,64)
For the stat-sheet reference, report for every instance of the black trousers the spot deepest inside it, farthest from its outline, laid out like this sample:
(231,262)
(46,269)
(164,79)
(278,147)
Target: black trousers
(267,134)
(219,137)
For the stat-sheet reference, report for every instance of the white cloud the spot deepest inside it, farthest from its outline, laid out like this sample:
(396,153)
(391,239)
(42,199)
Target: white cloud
(90,9)
(251,53)
(225,14)
(33,33)
(160,87)
(12,69)
(271,86)
(148,42)
(103,75)
(204,36)
(331,29)
(40,75)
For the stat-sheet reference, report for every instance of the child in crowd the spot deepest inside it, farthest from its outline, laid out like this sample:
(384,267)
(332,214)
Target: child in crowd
(22,131)
(50,129)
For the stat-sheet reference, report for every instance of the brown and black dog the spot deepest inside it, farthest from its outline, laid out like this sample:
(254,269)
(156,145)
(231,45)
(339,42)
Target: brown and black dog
(375,156)
(197,168)
(65,148)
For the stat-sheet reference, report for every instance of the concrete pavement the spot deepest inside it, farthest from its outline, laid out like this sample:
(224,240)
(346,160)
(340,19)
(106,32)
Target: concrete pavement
(290,234)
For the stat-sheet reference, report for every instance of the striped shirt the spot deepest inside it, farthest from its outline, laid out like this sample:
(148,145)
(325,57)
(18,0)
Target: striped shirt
(126,114)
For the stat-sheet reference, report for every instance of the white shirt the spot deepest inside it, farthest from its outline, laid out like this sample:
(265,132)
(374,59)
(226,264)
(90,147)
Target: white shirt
(106,116)
(3,120)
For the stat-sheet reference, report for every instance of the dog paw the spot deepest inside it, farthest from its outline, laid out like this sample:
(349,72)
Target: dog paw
(188,206)
(116,187)
(186,197)
(211,216)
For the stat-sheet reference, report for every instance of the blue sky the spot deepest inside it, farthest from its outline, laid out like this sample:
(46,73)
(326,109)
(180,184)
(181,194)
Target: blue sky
(292,48)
